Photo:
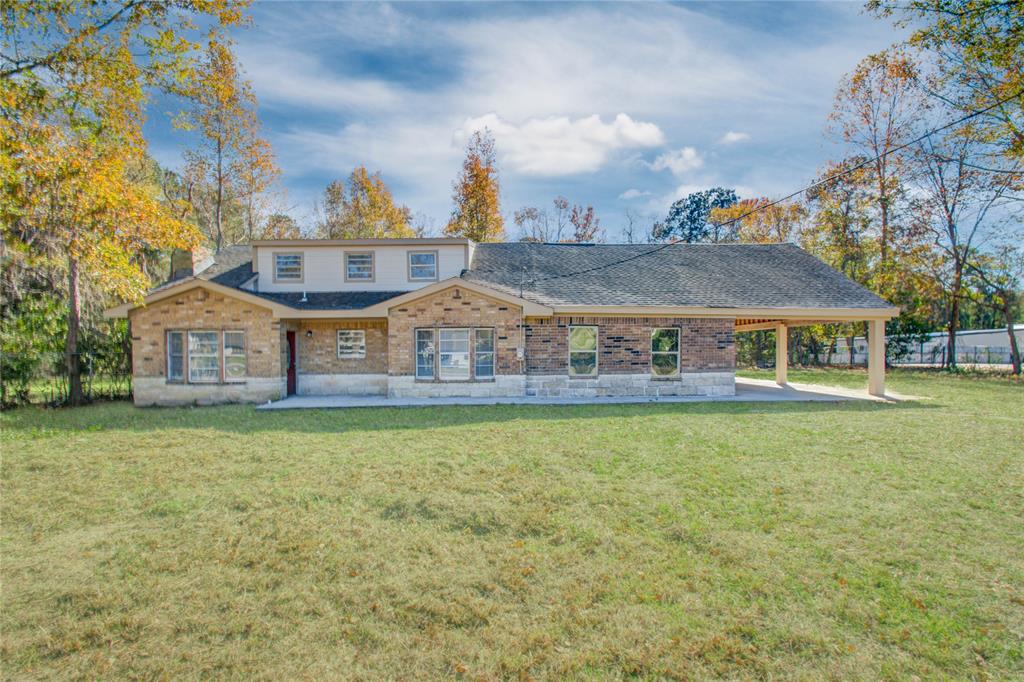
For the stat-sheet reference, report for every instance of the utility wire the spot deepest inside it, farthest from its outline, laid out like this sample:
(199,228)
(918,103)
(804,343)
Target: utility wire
(818,183)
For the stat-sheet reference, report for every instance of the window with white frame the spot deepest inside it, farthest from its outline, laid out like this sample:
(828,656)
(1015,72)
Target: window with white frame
(359,266)
(582,351)
(665,352)
(423,265)
(234,356)
(483,353)
(203,357)
(455,354)
(287,267)
(351,343)
(425,353)
(176,356)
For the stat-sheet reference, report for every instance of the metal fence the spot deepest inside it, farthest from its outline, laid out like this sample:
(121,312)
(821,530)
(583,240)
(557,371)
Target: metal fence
(934,355)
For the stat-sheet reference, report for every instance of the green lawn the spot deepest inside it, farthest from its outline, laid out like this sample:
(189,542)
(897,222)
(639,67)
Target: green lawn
(783,541)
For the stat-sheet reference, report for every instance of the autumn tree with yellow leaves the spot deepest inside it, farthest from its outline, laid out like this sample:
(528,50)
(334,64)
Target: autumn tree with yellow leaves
(74,82)
(477,213)
(362,208)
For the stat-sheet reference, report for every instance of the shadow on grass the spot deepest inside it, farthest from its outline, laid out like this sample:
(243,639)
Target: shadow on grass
(245,419)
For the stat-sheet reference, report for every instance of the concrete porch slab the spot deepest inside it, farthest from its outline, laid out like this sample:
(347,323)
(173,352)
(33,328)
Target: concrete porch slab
(747,390)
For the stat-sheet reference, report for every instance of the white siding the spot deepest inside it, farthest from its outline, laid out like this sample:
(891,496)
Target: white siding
(324,267)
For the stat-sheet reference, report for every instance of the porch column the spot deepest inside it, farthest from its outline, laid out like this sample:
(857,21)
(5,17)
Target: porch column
(876,357)
(781,353)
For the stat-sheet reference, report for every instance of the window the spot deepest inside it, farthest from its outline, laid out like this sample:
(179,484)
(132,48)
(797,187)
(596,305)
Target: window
(203,357)
(424,353)
(665,352)
(351,343)
(483,360)
(358,267)
(234,356)
(423,265)
(453,354)
(582,351)
(287,267)
(175,356)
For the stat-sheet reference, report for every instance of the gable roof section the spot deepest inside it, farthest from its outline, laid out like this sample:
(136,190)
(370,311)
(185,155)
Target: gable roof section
(698,276)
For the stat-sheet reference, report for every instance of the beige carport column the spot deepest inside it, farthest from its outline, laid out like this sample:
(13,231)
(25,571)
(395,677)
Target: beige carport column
(876,357)
(781,353)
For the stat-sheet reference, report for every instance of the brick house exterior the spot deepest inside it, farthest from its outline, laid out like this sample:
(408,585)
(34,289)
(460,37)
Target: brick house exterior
(445,317)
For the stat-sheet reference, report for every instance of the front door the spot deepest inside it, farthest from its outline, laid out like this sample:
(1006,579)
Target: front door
(291,363)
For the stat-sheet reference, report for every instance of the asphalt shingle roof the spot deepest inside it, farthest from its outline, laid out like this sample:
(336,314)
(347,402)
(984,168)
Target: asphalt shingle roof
(705,275)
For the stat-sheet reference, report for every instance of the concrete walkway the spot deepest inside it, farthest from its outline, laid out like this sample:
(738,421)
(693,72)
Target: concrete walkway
(747,390)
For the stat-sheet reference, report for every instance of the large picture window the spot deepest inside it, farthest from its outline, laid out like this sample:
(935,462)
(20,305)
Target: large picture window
(351,343)
(455,354)
(287,267)
(665,352)
(234,356)
(176,356)
(422,265)
(359,266)
(203,357)
(583,351)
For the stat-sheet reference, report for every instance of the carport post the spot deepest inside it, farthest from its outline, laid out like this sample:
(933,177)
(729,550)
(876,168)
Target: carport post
(781,353)
(876,357)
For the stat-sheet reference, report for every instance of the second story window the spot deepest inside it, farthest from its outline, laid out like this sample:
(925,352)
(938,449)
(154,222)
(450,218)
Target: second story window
(422,265)
(358,267)
(287,267)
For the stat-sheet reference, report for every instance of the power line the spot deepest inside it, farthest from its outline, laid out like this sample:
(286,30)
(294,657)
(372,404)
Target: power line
(818,183)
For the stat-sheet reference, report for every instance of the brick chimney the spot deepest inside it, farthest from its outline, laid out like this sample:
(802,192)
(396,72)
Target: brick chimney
(187,263)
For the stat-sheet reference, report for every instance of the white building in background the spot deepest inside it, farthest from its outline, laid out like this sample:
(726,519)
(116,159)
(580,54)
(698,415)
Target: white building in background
(976,346)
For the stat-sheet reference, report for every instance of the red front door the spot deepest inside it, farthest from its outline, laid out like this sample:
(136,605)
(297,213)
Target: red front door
(291,363)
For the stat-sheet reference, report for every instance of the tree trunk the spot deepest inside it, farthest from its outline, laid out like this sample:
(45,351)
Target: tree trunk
(1014,348)
(954,323)
(74,365)
(219,210)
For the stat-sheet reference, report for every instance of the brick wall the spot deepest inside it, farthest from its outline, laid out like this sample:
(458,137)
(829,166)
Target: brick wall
(318,354)
(624,343)
(203,309)
(454,307)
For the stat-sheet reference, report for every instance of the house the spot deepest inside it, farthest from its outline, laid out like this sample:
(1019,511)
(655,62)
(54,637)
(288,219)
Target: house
(448,317)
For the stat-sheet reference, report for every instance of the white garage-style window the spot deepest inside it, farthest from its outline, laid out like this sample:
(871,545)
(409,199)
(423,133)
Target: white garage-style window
(234,356)
(351,343)
(176,356)
(288,267)
(422,265)
(665,352)
(203,357)
(583,351)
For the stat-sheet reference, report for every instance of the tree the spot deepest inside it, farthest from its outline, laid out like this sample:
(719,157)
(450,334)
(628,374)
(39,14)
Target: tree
(758,221)
(977,47)
(281,226)
(363,209)
(73,84)
(477,214)
(231,164)
(958,200)
(586,226)
(688,217)
(999,278)
(878,108)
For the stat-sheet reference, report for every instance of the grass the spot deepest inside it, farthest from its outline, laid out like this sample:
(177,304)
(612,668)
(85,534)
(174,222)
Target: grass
(784,541)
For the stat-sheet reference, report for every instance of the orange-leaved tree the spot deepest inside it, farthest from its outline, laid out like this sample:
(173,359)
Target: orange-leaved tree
(477,213)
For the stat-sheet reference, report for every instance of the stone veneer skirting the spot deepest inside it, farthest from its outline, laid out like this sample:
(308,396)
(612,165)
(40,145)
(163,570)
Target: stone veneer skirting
(503,386)
(342,384)
(156,391)
(688,383)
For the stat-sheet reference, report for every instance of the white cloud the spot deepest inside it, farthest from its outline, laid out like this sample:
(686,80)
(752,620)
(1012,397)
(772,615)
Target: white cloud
(634,194)
(732,137)
(680,161)
(558,145)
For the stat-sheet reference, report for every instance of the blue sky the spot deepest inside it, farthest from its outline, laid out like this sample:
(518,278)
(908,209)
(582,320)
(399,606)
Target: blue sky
(623,106)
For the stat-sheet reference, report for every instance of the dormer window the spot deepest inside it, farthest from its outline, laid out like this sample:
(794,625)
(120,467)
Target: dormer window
(359,266)
(422,266)
(288,267)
